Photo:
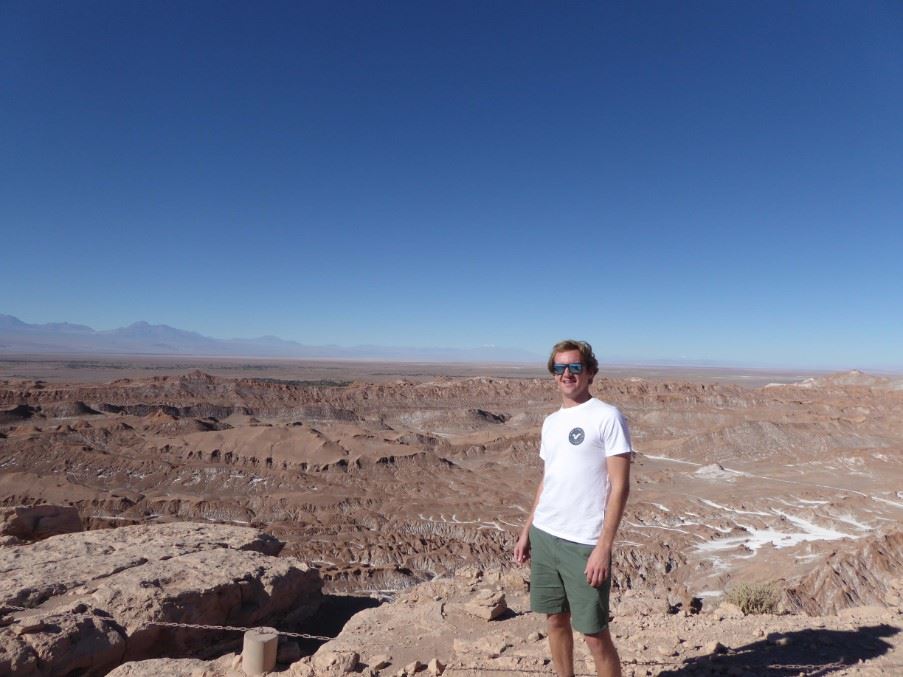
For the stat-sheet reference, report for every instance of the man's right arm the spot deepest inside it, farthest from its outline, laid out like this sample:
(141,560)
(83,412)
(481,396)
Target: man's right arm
(522,549)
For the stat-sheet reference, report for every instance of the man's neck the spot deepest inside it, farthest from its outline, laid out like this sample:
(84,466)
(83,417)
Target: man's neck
(567,402)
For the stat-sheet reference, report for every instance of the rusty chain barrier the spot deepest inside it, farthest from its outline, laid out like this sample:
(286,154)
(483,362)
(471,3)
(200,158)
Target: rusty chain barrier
(190,626)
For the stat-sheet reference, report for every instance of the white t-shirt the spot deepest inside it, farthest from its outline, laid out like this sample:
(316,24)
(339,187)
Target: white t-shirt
(576,442)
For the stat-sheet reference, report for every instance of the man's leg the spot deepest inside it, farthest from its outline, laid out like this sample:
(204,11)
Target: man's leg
(547,596)
(605,655)
(589,608)
(561,643)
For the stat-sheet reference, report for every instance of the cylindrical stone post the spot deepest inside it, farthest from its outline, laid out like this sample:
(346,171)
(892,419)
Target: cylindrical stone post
(258,655)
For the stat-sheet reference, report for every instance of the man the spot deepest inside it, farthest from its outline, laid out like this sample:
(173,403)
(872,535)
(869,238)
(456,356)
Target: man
(579,503)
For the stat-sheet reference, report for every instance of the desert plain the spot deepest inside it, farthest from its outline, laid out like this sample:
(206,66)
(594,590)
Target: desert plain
(386,476)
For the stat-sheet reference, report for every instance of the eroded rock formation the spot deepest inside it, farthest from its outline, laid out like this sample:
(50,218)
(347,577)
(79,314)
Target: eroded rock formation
(94,599)
(384,484)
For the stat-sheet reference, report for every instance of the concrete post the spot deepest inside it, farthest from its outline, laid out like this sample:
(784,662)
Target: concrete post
(258,655)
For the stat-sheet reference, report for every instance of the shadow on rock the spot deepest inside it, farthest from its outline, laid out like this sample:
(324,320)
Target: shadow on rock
(810,652)
(333,614)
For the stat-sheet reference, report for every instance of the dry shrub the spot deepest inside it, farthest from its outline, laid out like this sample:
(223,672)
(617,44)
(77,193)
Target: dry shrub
(756,598)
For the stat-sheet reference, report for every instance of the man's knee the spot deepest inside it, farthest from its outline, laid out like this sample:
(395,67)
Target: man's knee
(561,621)
(599,643)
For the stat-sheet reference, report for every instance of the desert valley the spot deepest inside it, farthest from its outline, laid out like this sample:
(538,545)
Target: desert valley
(408,483)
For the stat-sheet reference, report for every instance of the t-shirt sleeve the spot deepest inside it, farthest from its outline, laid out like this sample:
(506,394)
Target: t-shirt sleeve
(616,435)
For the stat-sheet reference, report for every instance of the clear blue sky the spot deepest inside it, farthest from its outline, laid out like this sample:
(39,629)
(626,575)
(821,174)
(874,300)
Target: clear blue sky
(700,180)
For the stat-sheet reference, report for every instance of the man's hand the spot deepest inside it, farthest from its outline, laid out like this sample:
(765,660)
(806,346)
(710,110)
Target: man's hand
(522,549)
(598,566)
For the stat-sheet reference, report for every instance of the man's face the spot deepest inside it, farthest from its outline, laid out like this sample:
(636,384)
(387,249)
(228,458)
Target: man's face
(573,386)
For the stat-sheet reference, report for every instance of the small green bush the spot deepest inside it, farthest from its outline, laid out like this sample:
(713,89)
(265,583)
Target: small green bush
(757,598)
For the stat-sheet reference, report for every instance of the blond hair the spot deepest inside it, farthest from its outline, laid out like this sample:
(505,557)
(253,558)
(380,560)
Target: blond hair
(586,354)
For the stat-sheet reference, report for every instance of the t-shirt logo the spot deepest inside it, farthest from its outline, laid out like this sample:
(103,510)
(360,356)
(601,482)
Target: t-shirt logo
(576,436)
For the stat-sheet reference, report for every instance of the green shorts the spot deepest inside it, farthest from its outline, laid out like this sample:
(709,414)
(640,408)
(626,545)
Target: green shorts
(558,582)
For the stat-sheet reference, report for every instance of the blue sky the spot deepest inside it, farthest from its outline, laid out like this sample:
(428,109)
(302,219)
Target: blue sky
(701,181)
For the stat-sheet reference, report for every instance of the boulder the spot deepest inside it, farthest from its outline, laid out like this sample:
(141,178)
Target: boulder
(34,522)
(380,662)
(97,598)
(414,667)
(340,662)
(32,647)
(486,604)
(63,563)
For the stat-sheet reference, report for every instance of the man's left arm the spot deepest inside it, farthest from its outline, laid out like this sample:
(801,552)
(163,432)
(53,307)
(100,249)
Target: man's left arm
(598,565)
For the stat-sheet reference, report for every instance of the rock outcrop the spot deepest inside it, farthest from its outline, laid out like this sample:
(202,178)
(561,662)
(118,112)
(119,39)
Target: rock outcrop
(34,522)
(427,631)
(94,599)
(869,573)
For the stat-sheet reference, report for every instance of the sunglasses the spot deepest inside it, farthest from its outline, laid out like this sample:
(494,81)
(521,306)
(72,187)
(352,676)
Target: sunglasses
(573,367)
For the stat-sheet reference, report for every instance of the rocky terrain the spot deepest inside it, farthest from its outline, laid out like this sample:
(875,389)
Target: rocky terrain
(444,627)
(86,601)
(144,601)
(383,482)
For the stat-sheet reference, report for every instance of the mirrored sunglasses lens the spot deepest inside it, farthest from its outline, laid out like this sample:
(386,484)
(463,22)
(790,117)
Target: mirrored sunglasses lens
(558,369)
(575,368)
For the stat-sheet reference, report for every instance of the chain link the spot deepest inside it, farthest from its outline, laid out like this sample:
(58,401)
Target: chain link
(233,628)
(190,626)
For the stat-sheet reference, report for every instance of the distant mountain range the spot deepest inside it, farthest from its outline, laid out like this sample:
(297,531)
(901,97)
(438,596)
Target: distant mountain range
(142,338)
